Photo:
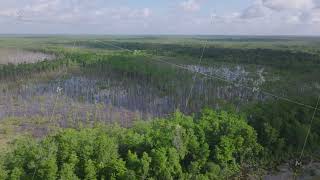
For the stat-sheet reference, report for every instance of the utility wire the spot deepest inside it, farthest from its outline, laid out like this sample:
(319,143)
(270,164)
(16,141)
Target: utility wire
(60,74)
(214,76)
(195,76)
(114,46)
(251,88)
(309,130)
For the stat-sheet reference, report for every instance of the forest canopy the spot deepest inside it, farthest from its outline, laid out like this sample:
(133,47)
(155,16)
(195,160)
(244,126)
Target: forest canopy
(212,146)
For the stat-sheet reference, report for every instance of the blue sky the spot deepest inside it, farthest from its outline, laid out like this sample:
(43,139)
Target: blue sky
(223,17)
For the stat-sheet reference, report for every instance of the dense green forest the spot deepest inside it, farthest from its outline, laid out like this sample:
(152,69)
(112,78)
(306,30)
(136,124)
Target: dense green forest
(272,57)
(210,145)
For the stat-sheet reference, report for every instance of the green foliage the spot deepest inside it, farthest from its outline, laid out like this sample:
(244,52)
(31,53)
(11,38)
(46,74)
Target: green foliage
(232,141)
(282,129)
(257,54)
(86,154)
(15,71)
(213,146)
(138,166)
(3,172)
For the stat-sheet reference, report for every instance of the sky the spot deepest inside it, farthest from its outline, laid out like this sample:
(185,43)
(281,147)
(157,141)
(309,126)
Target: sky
(215,17)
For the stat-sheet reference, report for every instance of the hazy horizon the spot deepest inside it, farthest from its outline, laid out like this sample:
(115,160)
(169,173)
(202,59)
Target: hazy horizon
(178,35)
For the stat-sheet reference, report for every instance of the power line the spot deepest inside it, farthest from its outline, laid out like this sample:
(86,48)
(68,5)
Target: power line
(309,129)
(195,76)
(214,76)
(182,67)
(114,46)
(60,74)
(254,89)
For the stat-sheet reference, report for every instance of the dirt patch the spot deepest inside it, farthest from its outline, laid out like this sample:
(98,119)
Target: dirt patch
(310,171)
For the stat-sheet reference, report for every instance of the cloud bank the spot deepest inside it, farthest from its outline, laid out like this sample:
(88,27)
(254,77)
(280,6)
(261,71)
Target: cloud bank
(267,17)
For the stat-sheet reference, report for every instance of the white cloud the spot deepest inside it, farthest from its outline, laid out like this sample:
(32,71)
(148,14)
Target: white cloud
(317,3)
(73,11)
(311,17)
(9,13)
(295,11)
(254,11)
(279,5)
(146,12)
(190,5)
(44,6)
(315,16)
(293,19)
(107,16)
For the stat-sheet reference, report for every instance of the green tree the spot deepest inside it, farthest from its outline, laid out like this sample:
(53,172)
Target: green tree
(232,141)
